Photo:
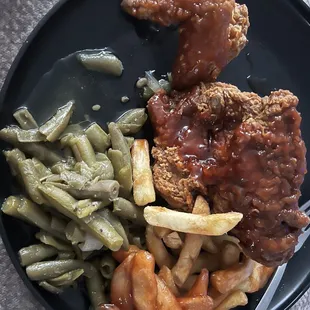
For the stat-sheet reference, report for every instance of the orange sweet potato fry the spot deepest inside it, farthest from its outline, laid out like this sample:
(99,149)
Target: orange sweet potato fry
(144,285)
(165,299)
(200,287)
(121,254)
(196,303)
(121,286)
(166,275)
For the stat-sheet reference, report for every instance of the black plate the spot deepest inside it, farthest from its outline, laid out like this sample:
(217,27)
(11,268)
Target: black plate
(278,55)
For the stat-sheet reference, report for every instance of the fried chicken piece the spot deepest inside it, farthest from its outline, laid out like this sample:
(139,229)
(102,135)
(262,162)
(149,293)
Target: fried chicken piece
(244,151)
(212,33)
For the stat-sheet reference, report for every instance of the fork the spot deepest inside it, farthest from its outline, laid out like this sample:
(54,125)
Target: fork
(274,283)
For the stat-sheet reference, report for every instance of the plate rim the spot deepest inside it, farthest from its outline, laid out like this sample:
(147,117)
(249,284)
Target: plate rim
(301,9)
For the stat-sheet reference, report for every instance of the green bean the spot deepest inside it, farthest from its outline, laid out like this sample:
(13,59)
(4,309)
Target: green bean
(86,207)
(35,253)
(102,157)
(50,288)
(133,116)
(122,172)
(66,255)
(85,150)
(74,179)
(25,119)
(31,180)
(128,210)
(166,85)
(95,224)
(13,157)
(75,129)
(147,93)
(67,152)
(83,169)
(119,143)
(74,233)
(52,241)
(58,224)
(129,129)
(41,169)
(37,216)
(30,135)
(99,139)
(107,266)
(95,287)
(130,141)
(102,61)
(57,123)
(66,279)
(104,190)
(115,222)
(103,169)
(34,149)
(86,254)
(51,269)
(10,207)
(91,243)
(62,166)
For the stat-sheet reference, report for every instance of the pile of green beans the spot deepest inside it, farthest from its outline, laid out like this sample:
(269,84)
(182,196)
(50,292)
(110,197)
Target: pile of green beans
(76,188)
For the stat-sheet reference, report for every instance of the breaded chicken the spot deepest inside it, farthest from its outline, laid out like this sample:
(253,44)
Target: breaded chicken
(243,151)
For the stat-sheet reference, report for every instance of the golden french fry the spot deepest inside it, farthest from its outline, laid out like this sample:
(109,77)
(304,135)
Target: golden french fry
(144,285)
(230,255)
(143,187)
(161,232)
(196,303)
(189,283)
(226,280)
(219,240)
(216,296)
(121,284)
(201,206)
(165,298)
(200,287)
(235,299)
(173,241)
(166,275)
(157,248)
(208,261)
(187,258)
(209,245)
(121,254)
(257,279)
(210,225)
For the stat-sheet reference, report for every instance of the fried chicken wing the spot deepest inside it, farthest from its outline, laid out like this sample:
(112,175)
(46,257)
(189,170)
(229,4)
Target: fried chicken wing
(244,151)
(212,33)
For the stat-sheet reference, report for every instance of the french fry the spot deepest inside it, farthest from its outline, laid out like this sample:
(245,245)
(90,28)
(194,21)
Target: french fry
(196,303)
(216,296)
(121,284)
(200,287)
(121,254)
(219,240)
(189,283)
(226,280)
(210,225)
(235,299)
(173,241)
(201,206)
(157,248)
(165,298)
(143,187)
(208,261)
(257,279)
(144,285)
(187,258)
(161,232)
(166,275)
(209,245)
(230,255)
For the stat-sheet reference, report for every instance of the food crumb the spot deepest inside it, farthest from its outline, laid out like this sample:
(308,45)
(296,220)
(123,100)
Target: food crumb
(141,82)
(96,107)
(125,99)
